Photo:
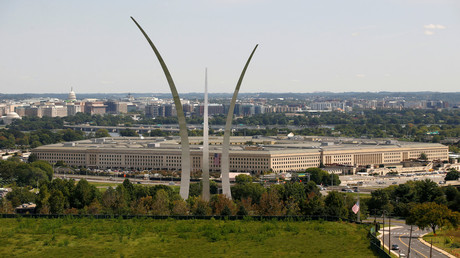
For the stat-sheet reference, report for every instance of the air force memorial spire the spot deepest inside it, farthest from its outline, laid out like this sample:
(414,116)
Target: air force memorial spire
(225,168)
(185,162)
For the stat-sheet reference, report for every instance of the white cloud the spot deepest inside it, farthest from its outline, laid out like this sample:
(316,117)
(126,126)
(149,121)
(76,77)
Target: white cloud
(295,80)
(429,32)
(360,75)
(106,82)
(354,34)
(434,26)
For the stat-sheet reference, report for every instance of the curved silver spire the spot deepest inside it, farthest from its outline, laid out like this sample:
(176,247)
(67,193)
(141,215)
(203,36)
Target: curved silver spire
(185,176)
(225,168)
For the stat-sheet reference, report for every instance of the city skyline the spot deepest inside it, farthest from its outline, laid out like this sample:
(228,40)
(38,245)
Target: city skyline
(306,46)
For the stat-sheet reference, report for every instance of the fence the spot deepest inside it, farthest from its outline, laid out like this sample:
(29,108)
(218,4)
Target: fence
(376,245)
(185,217)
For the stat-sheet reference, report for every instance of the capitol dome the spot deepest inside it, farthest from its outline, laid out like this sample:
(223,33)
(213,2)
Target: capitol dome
(72,96)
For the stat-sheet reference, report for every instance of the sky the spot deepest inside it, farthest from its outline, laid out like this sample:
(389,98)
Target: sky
(48,46)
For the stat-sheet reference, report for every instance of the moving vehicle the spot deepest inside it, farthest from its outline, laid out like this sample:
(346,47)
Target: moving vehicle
(394,247)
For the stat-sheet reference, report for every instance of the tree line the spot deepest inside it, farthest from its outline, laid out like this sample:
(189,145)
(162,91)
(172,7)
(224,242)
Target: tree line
(400,199)
(409,125)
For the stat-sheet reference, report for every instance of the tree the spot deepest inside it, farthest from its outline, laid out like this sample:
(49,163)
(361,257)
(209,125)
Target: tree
(380,200)
(428,191)
(423,156)
(102,133)
(84,194)
(128,132)
(20,195)
(452,197)
(7,170)
(179,208)
(94,208)
(199,207)
(6,207)
(322,177)
(43,206)
(161,203)
(453,174)
(57,202)
(335,205)
(32,157)
(271,204)
(242,178)
(45,166)
(221,205)
(60,163)
(195,189)
(433,215)
(245,207)
(248,190)
(313,205)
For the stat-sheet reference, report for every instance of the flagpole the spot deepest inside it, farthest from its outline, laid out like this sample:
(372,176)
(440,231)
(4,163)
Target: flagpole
(359,210)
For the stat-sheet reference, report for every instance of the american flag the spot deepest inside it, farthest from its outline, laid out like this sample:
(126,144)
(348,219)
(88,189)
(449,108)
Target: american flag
(355,208)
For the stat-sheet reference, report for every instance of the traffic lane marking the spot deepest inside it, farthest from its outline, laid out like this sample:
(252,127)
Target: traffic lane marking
(412,249)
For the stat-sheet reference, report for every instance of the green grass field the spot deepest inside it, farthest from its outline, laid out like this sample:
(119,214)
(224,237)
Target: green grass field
(448,240)
(86,237)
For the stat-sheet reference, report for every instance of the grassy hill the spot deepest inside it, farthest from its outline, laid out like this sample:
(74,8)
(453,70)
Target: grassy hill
(178,238)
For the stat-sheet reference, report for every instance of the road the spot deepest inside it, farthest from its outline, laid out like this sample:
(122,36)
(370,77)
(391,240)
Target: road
(371,182)
(115,180)
(399,235)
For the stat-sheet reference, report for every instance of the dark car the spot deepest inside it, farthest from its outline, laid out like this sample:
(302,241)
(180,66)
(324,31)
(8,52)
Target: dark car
(394,247)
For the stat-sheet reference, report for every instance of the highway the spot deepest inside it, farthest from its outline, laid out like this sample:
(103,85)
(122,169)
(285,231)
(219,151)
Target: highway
(116,180)
(399,235)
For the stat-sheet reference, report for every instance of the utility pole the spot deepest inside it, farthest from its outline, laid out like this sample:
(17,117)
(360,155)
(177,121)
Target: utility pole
(431,248)
(375,221)
(410,238)
(383,230)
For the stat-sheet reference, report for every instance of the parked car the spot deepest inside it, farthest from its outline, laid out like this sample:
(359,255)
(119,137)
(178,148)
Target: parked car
(442,182)
(394,247)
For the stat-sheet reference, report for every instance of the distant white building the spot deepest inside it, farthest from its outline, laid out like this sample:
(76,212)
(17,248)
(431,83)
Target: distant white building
(8,119)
